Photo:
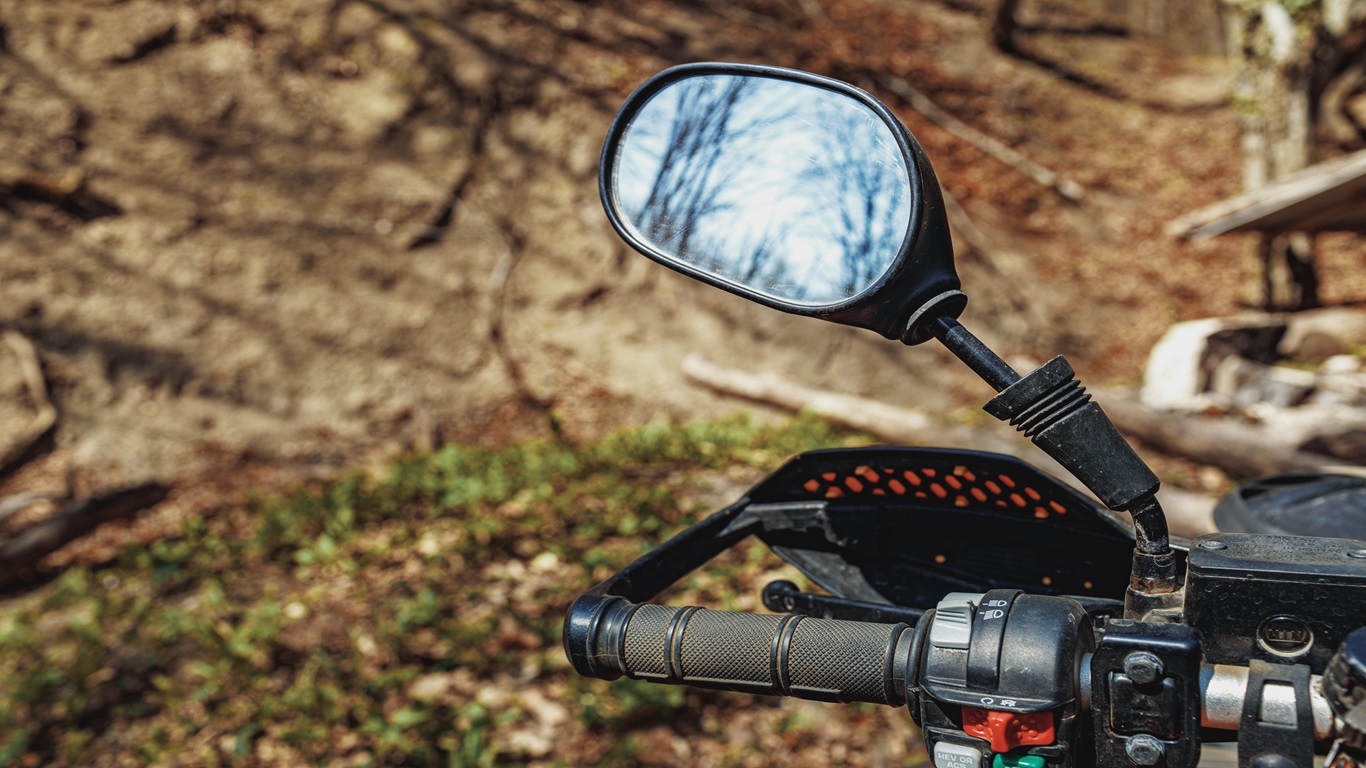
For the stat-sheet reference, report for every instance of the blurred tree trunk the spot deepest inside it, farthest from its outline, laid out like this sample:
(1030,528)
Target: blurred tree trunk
(1004,24)
(1154,17)
(1287,63)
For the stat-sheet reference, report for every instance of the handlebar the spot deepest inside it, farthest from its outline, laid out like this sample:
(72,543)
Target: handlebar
(978,667)
(786,655)
(832,660)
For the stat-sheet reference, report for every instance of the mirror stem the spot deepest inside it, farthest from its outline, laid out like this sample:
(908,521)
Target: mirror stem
(973,352)
(1053,409)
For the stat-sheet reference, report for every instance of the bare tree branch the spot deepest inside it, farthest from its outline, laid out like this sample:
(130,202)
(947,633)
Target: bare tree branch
(923,104)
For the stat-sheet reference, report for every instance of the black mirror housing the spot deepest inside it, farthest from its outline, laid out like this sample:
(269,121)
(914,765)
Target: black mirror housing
(919,284)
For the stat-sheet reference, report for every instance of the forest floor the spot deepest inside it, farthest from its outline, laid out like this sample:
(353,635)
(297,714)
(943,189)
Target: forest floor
(254,241)
(258,243)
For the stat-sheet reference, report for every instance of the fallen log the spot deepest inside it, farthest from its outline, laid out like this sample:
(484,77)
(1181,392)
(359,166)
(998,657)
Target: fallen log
(20,554)
(1241,449)
(1188,514)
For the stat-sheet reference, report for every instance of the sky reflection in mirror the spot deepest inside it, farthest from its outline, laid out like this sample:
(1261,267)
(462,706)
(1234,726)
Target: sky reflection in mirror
(792,190)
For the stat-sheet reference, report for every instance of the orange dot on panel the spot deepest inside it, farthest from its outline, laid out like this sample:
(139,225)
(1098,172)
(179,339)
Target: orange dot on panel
(854,484)
(1006,481)
(896,487)
(953,482)
(928,472)
(1033,494)
(938,490)
(879,492)
(940,559)
(993,487)
(1060,509)
(1041,513)
(828,477)
(812,485)
(960,501)
(979,494)
(1017,499)
(911,477)
(834,493)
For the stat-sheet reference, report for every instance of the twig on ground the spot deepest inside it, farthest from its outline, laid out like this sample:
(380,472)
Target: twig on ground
(21,450)
(20,554)
(19,501)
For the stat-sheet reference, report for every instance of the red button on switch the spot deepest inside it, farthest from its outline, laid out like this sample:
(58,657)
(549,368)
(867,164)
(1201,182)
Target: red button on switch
(1008,730)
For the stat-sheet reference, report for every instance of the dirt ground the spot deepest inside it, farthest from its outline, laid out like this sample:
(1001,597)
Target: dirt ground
(259,240)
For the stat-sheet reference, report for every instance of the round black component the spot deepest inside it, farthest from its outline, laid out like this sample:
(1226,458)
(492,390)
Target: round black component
(1344,685)
(1297,504)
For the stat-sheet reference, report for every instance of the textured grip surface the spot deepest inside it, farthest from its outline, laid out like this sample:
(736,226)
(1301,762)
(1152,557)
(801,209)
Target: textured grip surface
(789,655)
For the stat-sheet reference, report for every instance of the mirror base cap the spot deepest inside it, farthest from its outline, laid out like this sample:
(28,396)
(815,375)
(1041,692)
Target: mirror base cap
(947,304)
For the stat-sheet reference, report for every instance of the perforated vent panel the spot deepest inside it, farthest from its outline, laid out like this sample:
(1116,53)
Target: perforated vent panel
(956,486)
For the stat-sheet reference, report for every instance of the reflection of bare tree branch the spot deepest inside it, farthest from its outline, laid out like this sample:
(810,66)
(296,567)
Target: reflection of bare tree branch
(865,189)
(761,257)
(684,190)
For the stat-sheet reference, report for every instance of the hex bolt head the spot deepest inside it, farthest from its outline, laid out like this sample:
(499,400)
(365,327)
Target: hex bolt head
(1143,667)
(1144,749)
(1213,545)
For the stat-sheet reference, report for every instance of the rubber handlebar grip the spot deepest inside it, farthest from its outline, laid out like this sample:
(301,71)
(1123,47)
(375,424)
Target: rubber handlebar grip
(783,655)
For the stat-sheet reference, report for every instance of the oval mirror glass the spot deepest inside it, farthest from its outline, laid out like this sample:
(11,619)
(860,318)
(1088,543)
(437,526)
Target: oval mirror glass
(788,189)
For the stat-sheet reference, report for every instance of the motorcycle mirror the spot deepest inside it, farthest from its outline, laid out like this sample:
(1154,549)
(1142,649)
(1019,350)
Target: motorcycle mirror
(807,195)
(793,190)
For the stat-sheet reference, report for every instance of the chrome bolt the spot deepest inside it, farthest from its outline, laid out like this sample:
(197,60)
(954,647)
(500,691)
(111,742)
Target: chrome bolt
(1143,667)
(1144,749)
(1359,554)
(1213,545)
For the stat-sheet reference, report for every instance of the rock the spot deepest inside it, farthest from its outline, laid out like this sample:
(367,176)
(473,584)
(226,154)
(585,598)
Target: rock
(1338,364)
(1323,333)
(1235,381)
(1286,387)
(1181,363)
(1338,384)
